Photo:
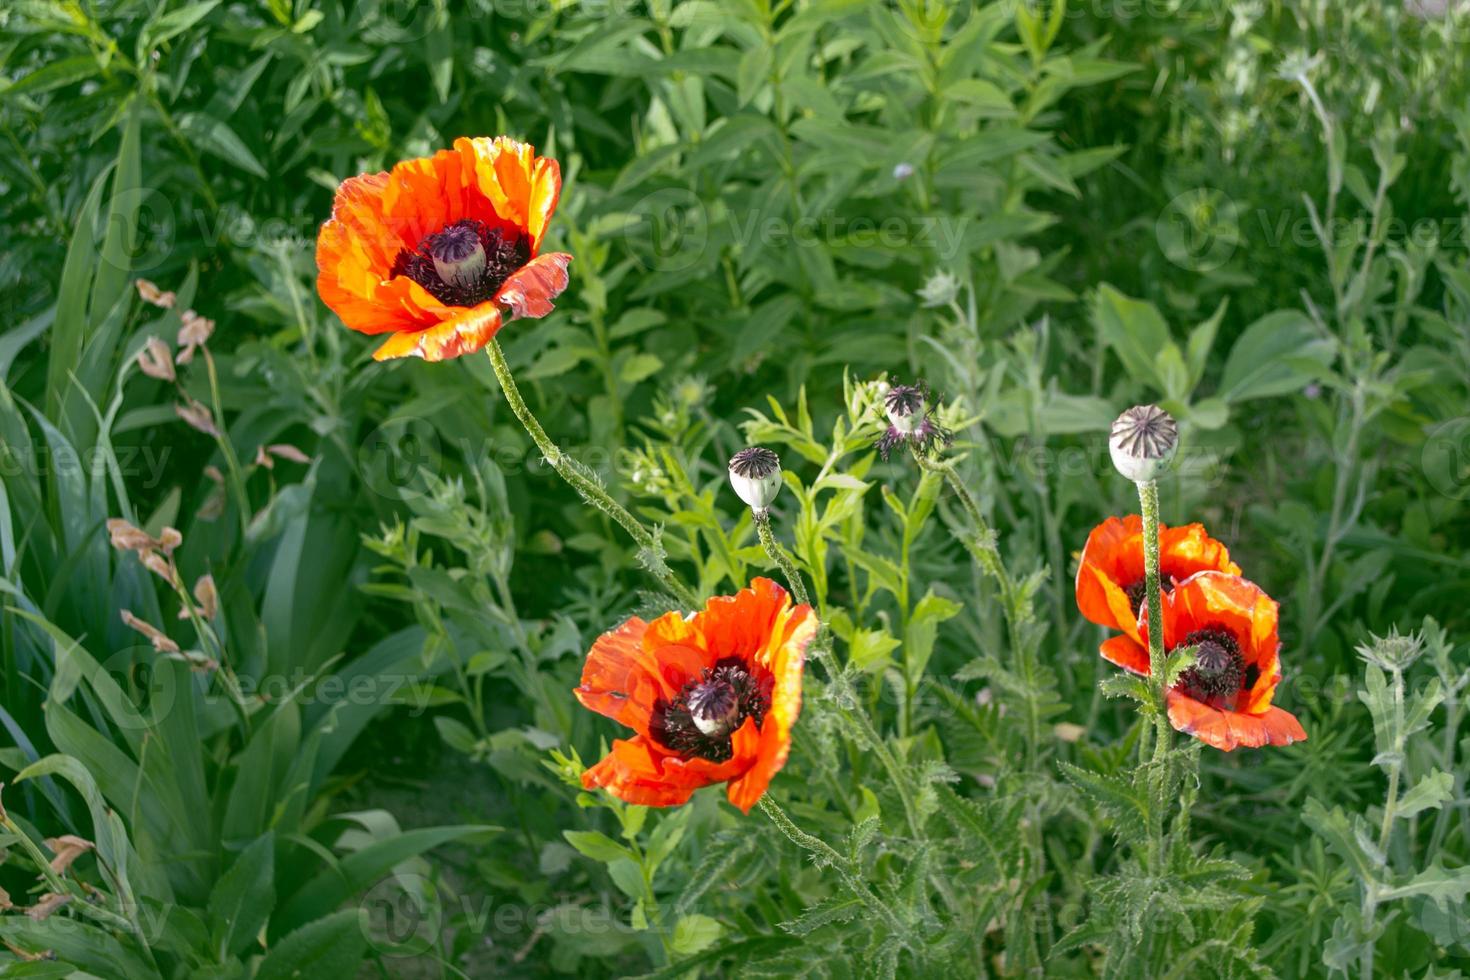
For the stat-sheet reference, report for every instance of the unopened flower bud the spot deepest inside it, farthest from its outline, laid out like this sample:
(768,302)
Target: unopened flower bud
(903,171)
(940,289)
(156,360)
(160,640)
(755,473)
(197,416)
(126,537)
(207,597)
(150,293)
(1143,442)
(157,564)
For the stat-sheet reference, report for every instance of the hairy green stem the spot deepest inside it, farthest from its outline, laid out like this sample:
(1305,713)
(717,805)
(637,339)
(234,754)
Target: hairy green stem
(826,854)
(586,484)
(1148,500)
(821,648)
(762,519)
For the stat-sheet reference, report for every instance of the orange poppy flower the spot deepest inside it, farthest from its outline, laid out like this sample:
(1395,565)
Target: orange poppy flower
(1110,575)
(431,251)
(1224,700)
(712,698)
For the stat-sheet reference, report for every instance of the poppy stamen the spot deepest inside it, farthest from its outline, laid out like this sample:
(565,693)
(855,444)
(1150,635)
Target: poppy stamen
(465,263)
(1219,667)
(699,720)
(1137,593)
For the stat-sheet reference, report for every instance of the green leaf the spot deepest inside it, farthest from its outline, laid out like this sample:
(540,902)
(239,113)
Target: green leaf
(1443,886)
(1135,331)
(456,734)
(597,846)
(69,329)
(360,869)
(329,947)
(638,367)
(58,73)
(694,933)
(173,23)
(1126,685)
(244,897)
(923,629)
(1276,355)
(1430,793)
(215,136)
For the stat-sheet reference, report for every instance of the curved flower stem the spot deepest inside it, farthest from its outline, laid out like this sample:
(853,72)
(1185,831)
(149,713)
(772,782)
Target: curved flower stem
(1148,501)
(227,449)
(821,648)
(825,854)
(983,548)
(762,519)
(586,484)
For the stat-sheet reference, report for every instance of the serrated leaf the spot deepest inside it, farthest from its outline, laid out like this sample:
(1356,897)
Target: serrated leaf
(1431,792)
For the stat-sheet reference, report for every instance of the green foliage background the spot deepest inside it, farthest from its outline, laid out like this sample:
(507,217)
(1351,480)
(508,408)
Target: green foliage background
(1253,214)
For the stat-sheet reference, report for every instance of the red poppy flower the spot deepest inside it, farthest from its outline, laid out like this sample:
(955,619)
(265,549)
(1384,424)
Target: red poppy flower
(1110,575)
(712,698)
(1224,700)
(431,251)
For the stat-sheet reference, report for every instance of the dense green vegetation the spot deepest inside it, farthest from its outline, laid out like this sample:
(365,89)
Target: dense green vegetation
(330,730)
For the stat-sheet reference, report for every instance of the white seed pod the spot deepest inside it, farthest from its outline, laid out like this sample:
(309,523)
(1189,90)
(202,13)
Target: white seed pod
(1142,442)
(755,473)
(906,406)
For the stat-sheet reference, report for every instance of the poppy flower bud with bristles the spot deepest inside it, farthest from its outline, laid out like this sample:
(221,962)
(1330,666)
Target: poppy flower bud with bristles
(911,419)
(1143,441)
(755,473)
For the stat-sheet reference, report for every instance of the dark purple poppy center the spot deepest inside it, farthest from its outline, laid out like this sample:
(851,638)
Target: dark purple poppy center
(465,263)
(699,720)
(1219,670)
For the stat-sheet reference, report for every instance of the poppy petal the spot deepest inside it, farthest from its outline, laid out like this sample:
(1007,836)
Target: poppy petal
(1183,551)
(1127,653)
(531,288)
(522,187)
(634,772)
(628,670)
(1113,556)
(1229,730)
(464,333)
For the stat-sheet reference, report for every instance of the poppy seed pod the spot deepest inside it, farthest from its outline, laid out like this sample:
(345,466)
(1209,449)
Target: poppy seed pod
(1143,441)
(755,473)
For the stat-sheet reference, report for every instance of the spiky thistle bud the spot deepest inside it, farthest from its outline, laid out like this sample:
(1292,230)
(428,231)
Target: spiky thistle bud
(755,473)
(1143,441)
